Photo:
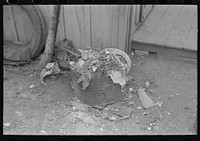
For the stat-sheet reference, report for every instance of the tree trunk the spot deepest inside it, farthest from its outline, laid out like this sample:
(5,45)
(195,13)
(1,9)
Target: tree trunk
(50,43)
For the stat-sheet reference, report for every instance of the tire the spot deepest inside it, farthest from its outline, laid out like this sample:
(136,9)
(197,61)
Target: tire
(20,53)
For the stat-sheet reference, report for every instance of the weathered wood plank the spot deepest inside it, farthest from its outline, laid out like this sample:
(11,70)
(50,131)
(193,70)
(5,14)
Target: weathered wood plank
(181,28)
(96,26)
(145,31)
(107,26)
(46,13)
(123,15)
(147,9)
(83,18)
(72,25)
(191,40)
(165,26)
(8,24)
(165,50)
(115,26)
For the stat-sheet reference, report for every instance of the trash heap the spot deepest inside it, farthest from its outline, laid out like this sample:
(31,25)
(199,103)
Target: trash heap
(113,63)
(109,61)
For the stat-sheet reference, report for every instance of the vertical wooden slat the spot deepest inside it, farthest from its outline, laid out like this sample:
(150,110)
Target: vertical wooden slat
(83,20)
(8,24)
(137,14)
(123,11)
(115,26)
(72,24)
(107,26)
(96,25)
(128,29)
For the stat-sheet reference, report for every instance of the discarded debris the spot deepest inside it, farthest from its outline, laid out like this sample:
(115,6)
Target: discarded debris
(177,94)
(7,124)
(148,128)
(139,108)
(145,113)
(147,84)
(112,118)
(42,131)
(130,90)
(112,62)
(145,99)
(159,103)
(51,68)
(31,86)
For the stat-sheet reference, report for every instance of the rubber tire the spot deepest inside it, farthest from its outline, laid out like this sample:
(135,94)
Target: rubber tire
(15,52)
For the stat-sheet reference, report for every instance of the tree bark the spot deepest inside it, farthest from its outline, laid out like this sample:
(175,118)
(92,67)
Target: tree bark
(51,38)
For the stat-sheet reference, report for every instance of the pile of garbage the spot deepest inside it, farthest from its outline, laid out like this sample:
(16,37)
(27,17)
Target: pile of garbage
(109,61)
(113,62)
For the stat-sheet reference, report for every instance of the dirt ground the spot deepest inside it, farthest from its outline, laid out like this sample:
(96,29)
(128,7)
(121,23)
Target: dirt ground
(36,109)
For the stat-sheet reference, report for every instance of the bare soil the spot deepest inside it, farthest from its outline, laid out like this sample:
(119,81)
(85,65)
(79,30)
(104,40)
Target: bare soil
(36,109)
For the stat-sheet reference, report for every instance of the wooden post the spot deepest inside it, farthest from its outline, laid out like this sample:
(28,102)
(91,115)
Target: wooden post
(50,43)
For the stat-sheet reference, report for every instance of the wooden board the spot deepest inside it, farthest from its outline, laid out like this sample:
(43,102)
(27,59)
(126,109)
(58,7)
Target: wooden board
(8,24)
(83,19)
(115,27)
(123,15)
(191,39)
(165,25)
(145,31)
(168,51)
(72,25)
(181,28)
(98,26)
(170,27)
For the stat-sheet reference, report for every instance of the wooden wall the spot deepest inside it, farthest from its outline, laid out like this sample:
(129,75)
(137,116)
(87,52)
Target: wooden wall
(98,26)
